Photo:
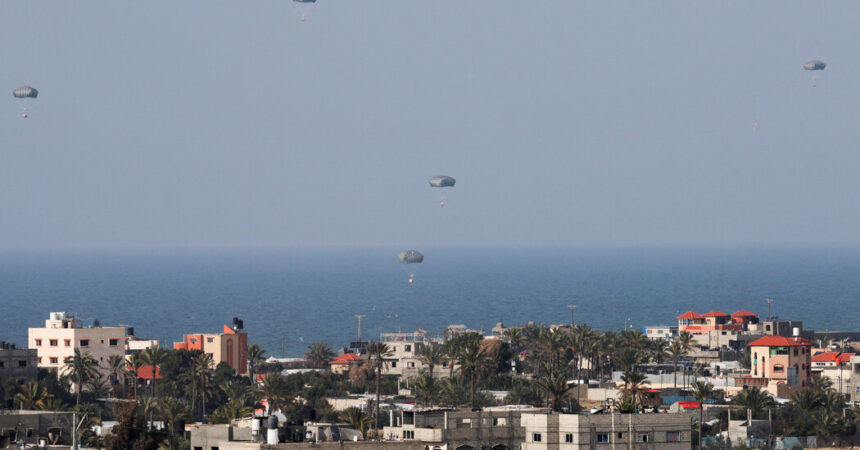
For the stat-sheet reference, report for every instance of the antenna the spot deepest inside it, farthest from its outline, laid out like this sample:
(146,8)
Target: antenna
(359,316)
(571,307)
(769,301)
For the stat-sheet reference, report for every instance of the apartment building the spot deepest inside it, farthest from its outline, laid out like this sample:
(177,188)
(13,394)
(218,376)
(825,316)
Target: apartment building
(18,363)
(633,431)
(229,346)
(779,364)
(55,343)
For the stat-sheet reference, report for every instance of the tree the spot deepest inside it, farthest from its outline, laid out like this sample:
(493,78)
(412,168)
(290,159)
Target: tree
(554,384)
(274,390)
(155,357)
(753,399)
(377,353)
(702,391)
(116,368)
(203,364)
(98,388)
(634,385)
(357,418)
(432,355)
(472,360)
(81,367)
(676,351)
(256,355)
(135,361)
(171,411)
(320,355)
(424,388)
(659,350)
(32,395)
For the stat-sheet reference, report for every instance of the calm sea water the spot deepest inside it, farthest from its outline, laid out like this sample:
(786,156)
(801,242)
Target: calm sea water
(308,295)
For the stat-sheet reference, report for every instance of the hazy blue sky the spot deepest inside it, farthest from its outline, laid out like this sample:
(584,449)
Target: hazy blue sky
(225,123)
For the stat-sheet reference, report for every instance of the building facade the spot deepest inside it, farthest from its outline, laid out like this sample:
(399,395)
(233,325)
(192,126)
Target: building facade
(580,431)
(229,346)
(56,342)
(18,363)
(779,364)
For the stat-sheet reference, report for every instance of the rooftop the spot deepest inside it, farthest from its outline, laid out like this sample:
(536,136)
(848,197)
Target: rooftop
(690,315)
(716,313)
(743,313)
(779,341)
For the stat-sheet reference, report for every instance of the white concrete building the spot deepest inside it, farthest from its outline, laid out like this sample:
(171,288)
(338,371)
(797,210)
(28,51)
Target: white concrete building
(581,431)
(56,342)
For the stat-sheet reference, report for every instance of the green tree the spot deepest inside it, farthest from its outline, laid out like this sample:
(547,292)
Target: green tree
(81,367)
(432,355)
(32,395)
(676,351)
(274,389)
(255,356)
(203,364)
(135,361)
(472,361)
(98,388)
(702,392)
(635,383)
(753,399)
(377,353)
(554,384)
(171,411)
(357,418)
(117,371)
(424,388)
(154,357)
(320,355)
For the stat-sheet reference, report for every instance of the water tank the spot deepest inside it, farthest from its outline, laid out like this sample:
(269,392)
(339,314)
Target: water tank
(129,331)
(96,323)
(795,332)
(272,431)
(55,316)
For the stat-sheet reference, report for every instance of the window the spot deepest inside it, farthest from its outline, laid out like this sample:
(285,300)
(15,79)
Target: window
(210,355)
(194,340)
(778,368)
(673,436)
(53,360)
(113,342)
(67,359)
(620,435)
(642,437)
(393,364)
(408,348)
(22,363)
(68,342)
(568,438)
(602,438)
(410,364)
(85,342)
(408,434)
(210,340)
(535,437)
(795,351)
(658,332)
(52,342)
(38,342)
(198,448)
(500,421)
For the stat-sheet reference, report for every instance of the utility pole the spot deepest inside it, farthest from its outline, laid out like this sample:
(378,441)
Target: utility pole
(769,301)
(571,307)
(359,316)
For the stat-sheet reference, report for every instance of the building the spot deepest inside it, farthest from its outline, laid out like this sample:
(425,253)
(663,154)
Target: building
(64,333)
(695,323)
(855,380)
(660,331)
(580,431)
(496,428)
(33,426)
(18,363)
(405,348)
(134,344)
(835,366)
(229,346)
(345,362)
(782,365)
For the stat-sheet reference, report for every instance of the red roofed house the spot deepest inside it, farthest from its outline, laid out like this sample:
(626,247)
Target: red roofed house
(744,318)
(712,321)
(344,362)
(145,372)
(835,366)
(690,320)
(782,364)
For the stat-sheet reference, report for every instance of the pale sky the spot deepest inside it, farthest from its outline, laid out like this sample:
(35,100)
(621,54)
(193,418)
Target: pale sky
(235,124)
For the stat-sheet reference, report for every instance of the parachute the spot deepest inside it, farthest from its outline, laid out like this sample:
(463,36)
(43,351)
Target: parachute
(410,257)
(814,65)
(442,181)
(25,92)
(22,93)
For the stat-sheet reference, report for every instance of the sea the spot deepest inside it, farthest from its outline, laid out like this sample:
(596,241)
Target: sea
(290,298)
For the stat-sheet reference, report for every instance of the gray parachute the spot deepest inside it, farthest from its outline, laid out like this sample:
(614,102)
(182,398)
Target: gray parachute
(305,1)
(814,65)
(25,92)
(410,257)
(442,181)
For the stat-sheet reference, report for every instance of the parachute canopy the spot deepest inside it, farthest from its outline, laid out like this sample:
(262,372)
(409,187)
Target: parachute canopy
(442,181)
(410,257)
(814,65)
(305,1)
(25,92)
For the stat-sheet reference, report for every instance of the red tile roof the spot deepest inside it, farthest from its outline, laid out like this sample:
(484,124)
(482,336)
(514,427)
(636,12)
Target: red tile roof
(346,358)
(832,357)
(743,313)
(779,341)
(690,315)
(145,372)
(716,313)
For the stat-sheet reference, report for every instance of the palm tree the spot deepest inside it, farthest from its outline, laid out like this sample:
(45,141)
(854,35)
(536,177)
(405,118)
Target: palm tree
(431,355)
(82,367)
(171,411)
(256,355)
(472,359)
(687,340)
(357,418)
(424,387)
(230,411)
(377,352)
(52,404)
(634,385)
(320,355)
(148,407)
(515,337)
(676,351)
(274,389)
(702,391)
(203,363)
(753,399)
(554,384)
(32,395)
(98,388)
(659,350)
(116,368)
(135,361)
(154,357)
